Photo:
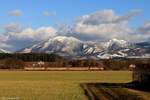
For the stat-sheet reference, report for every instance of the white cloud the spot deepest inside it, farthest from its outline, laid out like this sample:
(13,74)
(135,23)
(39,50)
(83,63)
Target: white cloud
(106,17)
(17,31)
(13,27)
(49,14)
(15,13)
(106,25)
(20,37)
(36,34)
(145,28)
(3,42)
(143,32)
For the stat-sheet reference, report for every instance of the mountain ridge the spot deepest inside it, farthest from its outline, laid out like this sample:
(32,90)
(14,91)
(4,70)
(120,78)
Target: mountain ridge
(4,51)
(75,48)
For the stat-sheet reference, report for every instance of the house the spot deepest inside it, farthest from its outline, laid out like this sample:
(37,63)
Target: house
(132,67)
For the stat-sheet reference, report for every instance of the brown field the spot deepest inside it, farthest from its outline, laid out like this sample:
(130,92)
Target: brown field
(54,85)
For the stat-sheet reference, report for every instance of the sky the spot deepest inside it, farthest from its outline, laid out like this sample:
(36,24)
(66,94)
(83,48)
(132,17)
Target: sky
(24,22)
(66,10)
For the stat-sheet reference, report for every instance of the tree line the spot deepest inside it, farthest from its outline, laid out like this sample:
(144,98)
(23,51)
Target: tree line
(18,61)
(31,57)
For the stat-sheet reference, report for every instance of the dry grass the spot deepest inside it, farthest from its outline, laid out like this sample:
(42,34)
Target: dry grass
(53,85)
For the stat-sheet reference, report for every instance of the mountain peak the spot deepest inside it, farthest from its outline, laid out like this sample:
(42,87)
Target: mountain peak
(64,38)
(118,40)
(120,43)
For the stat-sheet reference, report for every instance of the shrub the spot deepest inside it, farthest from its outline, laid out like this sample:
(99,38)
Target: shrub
(14,63)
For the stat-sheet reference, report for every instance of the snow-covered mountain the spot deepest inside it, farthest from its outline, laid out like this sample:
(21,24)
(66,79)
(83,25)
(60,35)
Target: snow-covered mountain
(117,44)
(3,51)
(61,45)
(75,48)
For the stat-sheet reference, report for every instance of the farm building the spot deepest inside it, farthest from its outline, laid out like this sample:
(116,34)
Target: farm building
(141,73)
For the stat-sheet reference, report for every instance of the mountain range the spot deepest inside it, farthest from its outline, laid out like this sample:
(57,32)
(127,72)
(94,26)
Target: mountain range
(71,47)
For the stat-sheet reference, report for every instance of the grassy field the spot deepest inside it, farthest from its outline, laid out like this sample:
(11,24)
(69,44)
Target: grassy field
(53,85)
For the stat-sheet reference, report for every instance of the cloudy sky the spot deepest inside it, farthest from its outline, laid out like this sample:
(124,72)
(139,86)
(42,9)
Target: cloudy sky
(25,22)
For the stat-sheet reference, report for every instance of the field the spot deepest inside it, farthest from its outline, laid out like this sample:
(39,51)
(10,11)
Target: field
(53,85)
